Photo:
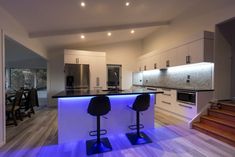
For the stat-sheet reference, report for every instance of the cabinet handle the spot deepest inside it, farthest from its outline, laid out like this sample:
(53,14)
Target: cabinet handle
(188,59)
(166,89)
(168,103)
(166,94)
(168,63)
(155,65)
(185,106)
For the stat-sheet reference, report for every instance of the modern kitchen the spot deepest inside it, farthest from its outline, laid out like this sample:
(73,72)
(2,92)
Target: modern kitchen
(136,82)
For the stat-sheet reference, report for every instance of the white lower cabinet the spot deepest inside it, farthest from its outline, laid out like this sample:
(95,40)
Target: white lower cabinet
(168,102)
(165,100)
(186,110)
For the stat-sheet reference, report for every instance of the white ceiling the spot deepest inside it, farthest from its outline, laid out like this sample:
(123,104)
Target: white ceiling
(97,38)
(59,23)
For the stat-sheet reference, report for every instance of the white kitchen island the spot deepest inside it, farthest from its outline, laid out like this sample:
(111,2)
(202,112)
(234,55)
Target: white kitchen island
(74,123)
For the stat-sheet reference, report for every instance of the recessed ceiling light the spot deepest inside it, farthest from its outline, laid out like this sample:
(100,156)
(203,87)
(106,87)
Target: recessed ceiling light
(132,31)
(109,34)
(127,4)
(82,36)
(83,4)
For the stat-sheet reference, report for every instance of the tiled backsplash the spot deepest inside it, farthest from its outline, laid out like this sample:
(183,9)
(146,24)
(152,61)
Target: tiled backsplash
(194,76)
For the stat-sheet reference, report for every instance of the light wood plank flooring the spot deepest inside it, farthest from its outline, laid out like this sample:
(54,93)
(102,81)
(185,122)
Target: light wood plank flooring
(37,136)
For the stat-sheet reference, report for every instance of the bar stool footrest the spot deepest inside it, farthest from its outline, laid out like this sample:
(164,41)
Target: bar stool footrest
(94,133)
(134,127)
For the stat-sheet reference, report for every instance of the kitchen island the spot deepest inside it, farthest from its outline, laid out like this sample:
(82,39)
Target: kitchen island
(74,123)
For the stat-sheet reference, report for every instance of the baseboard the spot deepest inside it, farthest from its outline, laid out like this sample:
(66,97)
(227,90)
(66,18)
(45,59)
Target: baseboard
(180,117)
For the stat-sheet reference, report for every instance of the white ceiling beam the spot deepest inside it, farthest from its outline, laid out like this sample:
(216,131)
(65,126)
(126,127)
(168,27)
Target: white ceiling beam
(41,34)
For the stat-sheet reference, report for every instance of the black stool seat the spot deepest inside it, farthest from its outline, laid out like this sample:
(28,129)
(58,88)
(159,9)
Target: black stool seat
(141,103)
(98,106)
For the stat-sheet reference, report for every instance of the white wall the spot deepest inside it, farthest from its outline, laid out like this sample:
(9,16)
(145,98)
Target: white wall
(2,94)
(125,53)
(55,74)
(186,26)
(233,68)
(16,31)
(222,67)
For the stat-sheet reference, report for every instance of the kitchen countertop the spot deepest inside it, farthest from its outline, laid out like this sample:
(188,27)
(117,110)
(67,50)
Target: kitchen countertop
(184,89)
(83,93)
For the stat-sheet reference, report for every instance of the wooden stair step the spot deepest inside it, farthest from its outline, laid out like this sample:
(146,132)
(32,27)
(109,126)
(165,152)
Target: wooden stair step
(220,121)
(227,105)
(229,113)
(216,133)
(228,102)
(222,114)
(222,124)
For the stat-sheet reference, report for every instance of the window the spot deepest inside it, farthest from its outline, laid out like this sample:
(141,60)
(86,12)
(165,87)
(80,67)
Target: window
(27,78)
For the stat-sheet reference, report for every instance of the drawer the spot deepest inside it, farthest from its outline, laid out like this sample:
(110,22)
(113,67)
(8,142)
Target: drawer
(185,110)
(165,104)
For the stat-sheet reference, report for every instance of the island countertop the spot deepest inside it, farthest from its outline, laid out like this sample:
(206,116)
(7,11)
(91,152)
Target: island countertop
(83,93)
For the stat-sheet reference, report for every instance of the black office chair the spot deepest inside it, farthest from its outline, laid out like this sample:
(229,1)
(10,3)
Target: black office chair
(98,106)
(141,103)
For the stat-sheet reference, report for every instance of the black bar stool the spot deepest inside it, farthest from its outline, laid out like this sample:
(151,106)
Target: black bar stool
(98,106)
(140,104)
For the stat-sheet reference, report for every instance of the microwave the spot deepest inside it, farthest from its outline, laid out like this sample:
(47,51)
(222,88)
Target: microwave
(188,97)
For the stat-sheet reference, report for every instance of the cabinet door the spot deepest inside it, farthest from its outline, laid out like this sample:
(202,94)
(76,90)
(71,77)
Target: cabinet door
(138,66)
(156,63)
(181,54)
(186,110)
(171,58)
(162,60)
(144,64)
(76,59)
(150,63)
(196,51)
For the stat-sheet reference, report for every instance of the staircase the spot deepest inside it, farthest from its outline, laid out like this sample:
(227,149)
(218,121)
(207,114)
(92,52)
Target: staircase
(219,122)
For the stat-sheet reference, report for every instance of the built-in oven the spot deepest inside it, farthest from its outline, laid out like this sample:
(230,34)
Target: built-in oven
(188,97)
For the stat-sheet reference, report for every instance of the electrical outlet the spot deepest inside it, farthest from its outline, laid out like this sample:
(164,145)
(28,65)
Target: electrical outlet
(188,79)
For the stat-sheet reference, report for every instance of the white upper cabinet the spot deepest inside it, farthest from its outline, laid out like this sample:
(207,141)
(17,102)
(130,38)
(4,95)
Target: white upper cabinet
(195,50)
(181,55)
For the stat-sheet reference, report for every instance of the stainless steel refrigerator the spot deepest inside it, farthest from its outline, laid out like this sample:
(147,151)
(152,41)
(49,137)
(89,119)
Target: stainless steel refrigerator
(77,76)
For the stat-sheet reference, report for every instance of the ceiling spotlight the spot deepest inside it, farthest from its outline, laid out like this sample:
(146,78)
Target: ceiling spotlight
(109,34)
(82,36)
(132,31)
(127,4)
(83,4)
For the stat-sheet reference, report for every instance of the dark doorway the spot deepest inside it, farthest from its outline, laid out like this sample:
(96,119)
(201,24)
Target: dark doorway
(114,76)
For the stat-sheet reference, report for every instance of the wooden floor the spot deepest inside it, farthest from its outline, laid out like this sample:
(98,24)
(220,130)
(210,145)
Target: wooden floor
(38,137)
